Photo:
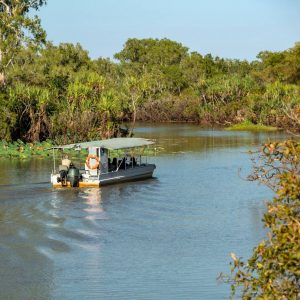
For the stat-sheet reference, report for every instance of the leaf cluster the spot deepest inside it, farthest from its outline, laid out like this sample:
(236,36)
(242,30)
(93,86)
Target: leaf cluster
(273,270)
(18,28)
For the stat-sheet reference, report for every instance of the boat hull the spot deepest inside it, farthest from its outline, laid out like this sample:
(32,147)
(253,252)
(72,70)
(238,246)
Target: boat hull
(130,174)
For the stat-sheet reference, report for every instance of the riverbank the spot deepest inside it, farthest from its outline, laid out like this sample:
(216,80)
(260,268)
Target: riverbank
(249,126)
(94,97)
(21,150)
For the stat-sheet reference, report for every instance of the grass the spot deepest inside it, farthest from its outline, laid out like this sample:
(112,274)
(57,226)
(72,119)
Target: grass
(249,126)
(21,150)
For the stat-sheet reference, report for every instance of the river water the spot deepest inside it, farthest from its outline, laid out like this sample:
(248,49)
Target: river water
(164,238)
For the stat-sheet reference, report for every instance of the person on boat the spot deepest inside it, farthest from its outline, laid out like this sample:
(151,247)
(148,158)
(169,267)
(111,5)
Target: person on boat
(114,164)
(133,161)
(66,161)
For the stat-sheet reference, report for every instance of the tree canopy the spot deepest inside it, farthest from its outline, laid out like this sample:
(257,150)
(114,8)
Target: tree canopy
(59,92)
(150,52)
(17,29)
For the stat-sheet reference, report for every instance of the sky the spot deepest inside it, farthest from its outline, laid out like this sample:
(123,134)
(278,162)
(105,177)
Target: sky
(225,28)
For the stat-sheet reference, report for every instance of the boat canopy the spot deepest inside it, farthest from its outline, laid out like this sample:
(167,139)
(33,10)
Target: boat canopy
(110,144)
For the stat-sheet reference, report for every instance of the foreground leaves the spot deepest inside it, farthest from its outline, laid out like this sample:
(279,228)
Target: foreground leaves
(273,271)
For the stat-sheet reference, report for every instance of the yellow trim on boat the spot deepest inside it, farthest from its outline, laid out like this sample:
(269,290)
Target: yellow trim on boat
(89,184)
(82,184)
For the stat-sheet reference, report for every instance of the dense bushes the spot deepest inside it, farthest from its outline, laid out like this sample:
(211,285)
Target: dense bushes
(58,92)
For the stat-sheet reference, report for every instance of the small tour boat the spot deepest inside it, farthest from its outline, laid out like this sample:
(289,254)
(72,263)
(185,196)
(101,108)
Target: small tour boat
(100,168)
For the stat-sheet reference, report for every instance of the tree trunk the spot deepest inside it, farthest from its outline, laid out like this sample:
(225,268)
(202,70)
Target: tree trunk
(2,76)
(133,119)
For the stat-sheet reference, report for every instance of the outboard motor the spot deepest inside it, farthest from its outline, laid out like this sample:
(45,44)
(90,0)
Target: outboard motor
(63,175)
(73,176)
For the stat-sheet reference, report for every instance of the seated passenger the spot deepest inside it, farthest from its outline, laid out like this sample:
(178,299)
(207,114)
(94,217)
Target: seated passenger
(114,164)
(132,161)
(109,164)
(66,161)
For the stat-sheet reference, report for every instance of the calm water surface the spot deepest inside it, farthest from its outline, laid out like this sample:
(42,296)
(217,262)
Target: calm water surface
(163,238)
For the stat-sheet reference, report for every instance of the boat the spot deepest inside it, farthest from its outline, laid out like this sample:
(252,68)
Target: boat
(101,166)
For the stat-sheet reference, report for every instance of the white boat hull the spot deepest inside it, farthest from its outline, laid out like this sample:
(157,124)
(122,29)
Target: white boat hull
(131,174)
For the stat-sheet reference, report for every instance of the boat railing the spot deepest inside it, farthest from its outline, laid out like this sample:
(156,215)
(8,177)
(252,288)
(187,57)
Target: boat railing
(122,162)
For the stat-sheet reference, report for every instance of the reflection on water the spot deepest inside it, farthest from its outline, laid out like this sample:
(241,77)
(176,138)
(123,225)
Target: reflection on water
(163,238)
(93,199)
(189,137)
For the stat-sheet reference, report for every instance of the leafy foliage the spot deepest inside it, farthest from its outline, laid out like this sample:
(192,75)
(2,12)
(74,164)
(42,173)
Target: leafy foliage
(282,66)
(151,52)
(17,28)
(19,149)
(59,92)
(273,270)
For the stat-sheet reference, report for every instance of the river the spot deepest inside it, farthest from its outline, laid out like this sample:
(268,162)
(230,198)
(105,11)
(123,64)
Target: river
(164,238)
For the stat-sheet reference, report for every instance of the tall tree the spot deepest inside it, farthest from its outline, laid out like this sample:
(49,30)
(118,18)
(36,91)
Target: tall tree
(17,28)
(148,52)
(134,90)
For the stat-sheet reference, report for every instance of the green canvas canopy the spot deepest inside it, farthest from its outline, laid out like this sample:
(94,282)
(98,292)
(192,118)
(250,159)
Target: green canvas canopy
(111,144)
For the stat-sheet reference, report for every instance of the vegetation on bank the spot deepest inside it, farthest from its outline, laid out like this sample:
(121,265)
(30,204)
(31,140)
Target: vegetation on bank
(19,149)
(60,93)
(249,126)
(273,270)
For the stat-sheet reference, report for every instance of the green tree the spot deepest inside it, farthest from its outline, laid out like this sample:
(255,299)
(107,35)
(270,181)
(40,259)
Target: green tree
(30,104)
(16,28)
(279,66)
(134,90)
(193,68)
(149,52)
